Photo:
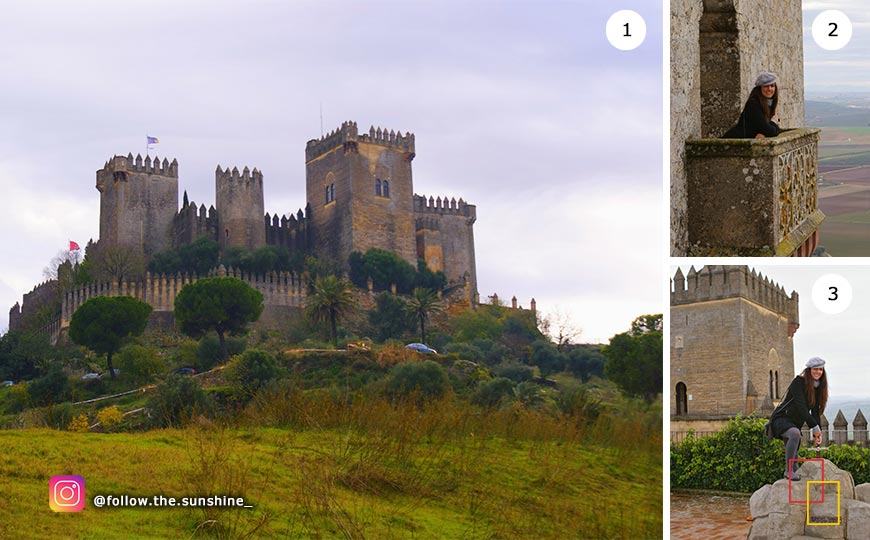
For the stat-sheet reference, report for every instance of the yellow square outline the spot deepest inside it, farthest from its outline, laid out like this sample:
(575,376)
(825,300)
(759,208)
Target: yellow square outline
(808,502)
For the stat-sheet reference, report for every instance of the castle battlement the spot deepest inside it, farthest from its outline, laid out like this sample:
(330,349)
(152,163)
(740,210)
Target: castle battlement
(437,205)
(721,282)
(246,176)
(349,133)
(139,165)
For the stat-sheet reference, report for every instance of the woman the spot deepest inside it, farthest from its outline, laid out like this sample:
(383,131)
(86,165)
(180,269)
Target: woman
(759,118)
(804,403)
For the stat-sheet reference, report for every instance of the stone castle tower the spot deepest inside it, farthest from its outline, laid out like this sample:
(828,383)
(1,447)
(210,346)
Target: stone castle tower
(240,208)
(361,192)
(138,203)
(731,345)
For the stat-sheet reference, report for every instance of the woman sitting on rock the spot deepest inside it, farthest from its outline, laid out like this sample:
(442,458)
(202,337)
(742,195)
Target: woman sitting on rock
(759,118)
(804,403)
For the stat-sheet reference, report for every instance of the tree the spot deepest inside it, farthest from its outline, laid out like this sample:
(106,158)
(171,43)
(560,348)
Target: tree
(330,301)
(391,318)
(24,355)
(117,263)
(102,324)
(424,303)
(634,360)
(221,304)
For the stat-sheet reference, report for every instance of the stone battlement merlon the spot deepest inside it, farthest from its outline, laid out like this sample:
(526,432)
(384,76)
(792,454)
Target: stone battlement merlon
(137,164)
(438,205)
(721,282)
(349,133)
(246,175)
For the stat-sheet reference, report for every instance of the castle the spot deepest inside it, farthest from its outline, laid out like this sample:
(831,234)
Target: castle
(360,195)
(732,346)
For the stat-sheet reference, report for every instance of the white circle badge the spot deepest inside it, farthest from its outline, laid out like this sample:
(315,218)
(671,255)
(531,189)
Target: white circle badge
(625,30)
(832,30)
(832,294)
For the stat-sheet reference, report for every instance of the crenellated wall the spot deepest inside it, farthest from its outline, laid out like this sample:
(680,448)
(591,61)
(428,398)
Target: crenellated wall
(445,237)
(190,224)
(282,289)
(289,232)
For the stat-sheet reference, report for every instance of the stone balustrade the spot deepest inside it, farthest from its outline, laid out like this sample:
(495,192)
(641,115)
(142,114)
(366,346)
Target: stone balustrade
(754,197)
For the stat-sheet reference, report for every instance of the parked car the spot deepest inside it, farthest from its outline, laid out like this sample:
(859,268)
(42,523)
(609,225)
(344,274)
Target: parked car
(90,376)
(185,371)
(7,383)
(420,347)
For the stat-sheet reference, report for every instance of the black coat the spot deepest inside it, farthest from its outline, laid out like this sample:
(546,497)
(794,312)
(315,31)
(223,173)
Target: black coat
(794,410)
(752,122)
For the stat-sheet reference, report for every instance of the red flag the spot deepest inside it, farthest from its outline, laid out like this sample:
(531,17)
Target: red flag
(73,246)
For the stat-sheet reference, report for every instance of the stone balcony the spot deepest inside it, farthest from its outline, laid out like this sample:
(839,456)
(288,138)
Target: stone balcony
(754,197)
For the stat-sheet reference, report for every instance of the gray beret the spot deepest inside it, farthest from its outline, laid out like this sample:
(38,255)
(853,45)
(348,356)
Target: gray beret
(815,362)
(765,78)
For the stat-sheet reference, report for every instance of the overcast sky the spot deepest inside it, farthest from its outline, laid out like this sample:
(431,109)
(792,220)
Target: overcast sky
(843,340)
(522,108)
(845,70)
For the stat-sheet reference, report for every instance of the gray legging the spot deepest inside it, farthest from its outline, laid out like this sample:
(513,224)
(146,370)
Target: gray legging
(792,438)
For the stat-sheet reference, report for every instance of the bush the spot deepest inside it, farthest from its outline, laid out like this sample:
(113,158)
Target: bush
(52,388)
(139,364)
(493,393)
(426,380)
(177,401)
(391,317)
(738,458)
(208,352)
(576,400)
(251,370)
(514,371)
(466,351)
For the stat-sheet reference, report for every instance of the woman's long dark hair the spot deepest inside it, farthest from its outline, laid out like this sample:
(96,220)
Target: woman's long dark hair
(810,389)
(769,110)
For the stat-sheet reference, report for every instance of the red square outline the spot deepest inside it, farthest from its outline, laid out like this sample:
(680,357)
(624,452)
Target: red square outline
(790,462)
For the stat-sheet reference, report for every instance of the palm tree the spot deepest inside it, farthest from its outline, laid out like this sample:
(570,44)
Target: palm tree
(424,302)
(331,300)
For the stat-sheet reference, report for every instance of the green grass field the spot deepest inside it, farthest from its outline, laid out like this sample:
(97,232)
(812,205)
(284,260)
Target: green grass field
(370,469)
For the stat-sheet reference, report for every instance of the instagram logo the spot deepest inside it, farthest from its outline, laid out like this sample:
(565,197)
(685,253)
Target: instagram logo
(66,493)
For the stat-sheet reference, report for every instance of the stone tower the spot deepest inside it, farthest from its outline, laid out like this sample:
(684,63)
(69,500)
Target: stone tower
(240,208)
(445,237)
(138,201)
(731,345)
(361,193)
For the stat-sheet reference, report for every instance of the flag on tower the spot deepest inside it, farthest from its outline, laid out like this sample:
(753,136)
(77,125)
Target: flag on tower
(73,246)
(152,140)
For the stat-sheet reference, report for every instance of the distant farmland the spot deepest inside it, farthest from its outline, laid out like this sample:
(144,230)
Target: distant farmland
(844,195)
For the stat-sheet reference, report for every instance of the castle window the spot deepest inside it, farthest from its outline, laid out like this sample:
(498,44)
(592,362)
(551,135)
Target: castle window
(330,193)
(771,385)
(378,186)
(776,383)
(682,401)
(386,189)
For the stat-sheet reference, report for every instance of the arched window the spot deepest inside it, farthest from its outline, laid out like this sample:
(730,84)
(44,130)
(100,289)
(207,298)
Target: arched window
(331,192)
(386,189)
(377,186)
(682,399)
(770,384)
(776,383)
(327,194)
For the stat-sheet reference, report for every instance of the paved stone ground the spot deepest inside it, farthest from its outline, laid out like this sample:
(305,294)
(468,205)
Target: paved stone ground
(709,517)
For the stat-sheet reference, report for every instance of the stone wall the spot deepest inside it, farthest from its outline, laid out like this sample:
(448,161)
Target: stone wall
(718,47)
(731,341)
(445,237)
